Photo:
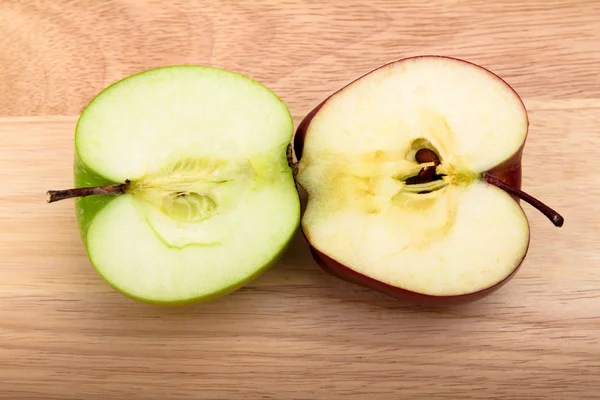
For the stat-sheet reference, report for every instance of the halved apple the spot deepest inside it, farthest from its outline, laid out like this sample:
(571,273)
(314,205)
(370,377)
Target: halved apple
(182,183)
(410,173)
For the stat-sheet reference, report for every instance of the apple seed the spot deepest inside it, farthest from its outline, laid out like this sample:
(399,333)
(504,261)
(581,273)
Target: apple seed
(426,155)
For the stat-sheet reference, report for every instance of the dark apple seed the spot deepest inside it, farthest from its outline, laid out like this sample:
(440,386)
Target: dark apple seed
(426,156)
(425,174)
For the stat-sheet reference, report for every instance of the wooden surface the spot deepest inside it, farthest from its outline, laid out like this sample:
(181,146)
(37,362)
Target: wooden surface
(295,333)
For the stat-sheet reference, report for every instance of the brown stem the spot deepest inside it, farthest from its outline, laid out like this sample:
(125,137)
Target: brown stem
(290,159)
(57,195)
(552,215)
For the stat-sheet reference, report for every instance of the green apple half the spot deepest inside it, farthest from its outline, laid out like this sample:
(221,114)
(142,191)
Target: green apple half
(413,176)
(183,188)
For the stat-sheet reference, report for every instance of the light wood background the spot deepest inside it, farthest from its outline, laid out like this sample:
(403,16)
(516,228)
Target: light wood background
(295,333)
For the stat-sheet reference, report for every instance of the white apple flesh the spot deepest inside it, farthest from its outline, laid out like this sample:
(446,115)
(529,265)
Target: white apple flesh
(452,237)
(189,194)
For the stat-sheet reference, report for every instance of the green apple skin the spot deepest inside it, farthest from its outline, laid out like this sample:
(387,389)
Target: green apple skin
(87,208)
(509,171)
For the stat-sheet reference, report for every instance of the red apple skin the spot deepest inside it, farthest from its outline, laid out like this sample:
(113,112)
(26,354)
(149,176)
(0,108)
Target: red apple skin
(508,171)
(340,271)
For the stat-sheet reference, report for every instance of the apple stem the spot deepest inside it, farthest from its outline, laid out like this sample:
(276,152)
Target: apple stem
(290,159)
(57,195)
(552,215)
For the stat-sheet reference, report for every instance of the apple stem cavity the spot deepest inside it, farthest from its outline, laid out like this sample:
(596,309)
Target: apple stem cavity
(57,195)
(552,215)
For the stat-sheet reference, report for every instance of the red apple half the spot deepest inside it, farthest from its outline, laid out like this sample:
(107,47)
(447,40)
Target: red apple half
(376,217)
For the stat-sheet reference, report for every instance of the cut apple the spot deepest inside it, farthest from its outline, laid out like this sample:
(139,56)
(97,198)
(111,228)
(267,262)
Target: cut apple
(410,173)
(183,188)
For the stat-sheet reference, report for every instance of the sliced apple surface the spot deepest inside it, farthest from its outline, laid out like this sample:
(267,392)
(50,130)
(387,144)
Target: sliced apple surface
(376,215)
(207,198)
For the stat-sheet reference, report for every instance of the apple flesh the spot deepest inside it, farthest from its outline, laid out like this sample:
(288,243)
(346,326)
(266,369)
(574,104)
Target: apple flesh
(183,190)
(376,213)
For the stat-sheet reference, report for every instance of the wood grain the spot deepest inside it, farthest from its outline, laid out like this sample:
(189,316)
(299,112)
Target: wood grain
(295,333)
